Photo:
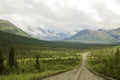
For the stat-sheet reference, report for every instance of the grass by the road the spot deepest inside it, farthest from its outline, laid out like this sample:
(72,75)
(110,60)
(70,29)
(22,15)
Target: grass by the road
(51,61)
(106,61)
(30,76)
(49,67)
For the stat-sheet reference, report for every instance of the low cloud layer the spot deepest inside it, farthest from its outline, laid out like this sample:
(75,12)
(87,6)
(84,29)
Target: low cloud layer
(62,15)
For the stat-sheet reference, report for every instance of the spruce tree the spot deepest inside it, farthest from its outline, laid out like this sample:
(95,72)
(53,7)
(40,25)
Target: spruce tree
(117,56)
(117,53)
(1,62)
(11,58)
(37,64)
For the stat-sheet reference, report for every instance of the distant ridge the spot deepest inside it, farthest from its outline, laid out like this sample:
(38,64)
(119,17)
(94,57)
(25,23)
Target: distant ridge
(96,36)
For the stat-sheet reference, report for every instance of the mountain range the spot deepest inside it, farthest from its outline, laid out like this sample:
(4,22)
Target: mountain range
(100,36)
(45,33)
(96,36)
(39,32)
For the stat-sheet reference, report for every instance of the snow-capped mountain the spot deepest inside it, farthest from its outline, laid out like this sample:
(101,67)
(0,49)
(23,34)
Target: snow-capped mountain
(45,33)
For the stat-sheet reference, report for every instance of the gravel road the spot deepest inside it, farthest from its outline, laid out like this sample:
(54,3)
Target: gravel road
(81,73)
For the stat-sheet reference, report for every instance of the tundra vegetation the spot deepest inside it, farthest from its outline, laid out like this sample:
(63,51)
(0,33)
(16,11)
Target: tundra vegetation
(18,64)
(23,58)
(105,61)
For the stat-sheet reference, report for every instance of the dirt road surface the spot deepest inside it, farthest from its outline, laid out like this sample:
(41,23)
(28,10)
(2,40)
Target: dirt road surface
(81,73)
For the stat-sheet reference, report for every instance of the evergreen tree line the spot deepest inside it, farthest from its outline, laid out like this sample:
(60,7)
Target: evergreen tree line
(10,65)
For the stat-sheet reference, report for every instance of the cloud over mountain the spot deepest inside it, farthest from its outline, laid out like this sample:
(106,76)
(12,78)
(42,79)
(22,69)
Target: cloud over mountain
(63,15)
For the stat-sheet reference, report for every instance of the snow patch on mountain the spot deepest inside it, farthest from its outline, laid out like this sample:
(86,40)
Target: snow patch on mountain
(45,32)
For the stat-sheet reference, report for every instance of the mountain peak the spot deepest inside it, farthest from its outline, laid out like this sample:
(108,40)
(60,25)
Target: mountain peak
(7,26)
(46,33)
(96,36)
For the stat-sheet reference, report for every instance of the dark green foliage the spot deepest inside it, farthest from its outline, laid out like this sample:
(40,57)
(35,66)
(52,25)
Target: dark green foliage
(117,53)
(106,62)
(1,62)
(117,57)
(37,63)
(46,59)
(11,58)
(8,39)
(16,65)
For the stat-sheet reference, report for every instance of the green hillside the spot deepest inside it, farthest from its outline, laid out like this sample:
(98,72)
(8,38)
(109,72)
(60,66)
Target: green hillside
(11,28)
(96,36)
(8,39)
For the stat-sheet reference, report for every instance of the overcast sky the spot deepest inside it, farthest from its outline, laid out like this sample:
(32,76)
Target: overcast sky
(62,15)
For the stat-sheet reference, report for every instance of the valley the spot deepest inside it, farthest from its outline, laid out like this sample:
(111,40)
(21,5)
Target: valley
(53,60)
(60,40)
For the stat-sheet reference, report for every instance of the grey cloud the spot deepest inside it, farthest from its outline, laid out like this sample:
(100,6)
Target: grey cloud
(118,1)
(36,12)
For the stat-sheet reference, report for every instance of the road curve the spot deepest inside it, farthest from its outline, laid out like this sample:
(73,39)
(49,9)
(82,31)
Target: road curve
(81,73)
